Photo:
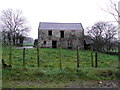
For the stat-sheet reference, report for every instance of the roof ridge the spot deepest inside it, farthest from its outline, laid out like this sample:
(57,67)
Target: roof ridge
(59,23)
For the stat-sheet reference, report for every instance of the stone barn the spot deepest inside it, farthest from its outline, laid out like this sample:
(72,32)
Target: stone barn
(68,35)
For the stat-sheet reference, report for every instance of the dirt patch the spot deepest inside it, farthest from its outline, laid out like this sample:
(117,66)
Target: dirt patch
(71,84)
(96,84)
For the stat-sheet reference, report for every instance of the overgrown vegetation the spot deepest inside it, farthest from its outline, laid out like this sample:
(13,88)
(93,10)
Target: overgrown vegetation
(49,74)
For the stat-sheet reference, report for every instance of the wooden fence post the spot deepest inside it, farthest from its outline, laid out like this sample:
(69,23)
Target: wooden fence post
(78,58)
(118,65)
(119,56)
(59,47)
(23,56)
(10,60)
(38,57)
(92,55)
(96,60)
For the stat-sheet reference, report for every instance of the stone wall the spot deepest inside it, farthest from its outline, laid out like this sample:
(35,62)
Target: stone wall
(71,38)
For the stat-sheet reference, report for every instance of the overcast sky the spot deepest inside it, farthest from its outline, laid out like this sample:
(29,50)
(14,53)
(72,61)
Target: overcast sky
(86,12)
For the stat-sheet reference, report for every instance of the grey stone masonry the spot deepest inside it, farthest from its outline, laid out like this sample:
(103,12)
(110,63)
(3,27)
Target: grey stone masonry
(50,35)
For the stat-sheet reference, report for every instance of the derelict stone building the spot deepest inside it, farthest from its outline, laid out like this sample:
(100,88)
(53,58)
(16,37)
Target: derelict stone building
(68,35)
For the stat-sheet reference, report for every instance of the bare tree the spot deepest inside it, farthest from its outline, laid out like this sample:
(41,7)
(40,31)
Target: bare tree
(102,33)
(114,9)
(14,23)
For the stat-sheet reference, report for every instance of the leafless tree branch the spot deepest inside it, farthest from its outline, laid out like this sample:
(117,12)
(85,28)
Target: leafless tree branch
(14,23)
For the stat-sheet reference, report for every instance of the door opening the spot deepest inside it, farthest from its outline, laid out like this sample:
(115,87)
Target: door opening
(54,44)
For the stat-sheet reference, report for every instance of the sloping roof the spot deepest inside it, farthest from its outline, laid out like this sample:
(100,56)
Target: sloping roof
(59,26)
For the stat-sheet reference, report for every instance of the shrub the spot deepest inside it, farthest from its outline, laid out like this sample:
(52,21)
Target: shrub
(35,42)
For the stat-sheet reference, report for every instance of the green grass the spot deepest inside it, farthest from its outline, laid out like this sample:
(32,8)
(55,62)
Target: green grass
(28,44)
(49,74)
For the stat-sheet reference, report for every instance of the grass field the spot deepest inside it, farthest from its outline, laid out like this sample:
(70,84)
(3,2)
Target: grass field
(49,75)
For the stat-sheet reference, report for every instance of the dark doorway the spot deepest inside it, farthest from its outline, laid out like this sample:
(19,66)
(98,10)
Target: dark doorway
(61,34)
(54,44)
(44,42)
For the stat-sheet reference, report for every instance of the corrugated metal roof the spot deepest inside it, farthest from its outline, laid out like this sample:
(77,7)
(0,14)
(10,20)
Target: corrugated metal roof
(59,26)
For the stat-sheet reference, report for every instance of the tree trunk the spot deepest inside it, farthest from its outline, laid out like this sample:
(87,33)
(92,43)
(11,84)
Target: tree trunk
(96,60)
(14,39)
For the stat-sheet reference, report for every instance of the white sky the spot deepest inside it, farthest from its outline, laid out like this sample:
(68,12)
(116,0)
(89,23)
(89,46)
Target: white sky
(86,12)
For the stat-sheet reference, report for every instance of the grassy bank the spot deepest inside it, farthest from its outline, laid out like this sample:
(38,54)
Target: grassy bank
(49,74)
